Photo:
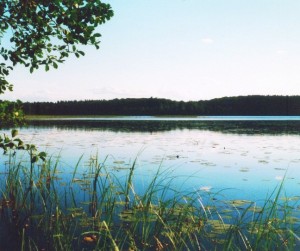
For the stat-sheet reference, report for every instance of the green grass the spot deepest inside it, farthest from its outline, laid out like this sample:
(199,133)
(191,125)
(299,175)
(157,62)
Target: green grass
(41,209)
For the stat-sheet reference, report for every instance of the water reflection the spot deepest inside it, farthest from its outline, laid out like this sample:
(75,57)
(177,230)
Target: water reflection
(233,126)
(246,158)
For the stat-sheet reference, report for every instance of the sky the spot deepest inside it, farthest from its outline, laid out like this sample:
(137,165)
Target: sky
(179,50)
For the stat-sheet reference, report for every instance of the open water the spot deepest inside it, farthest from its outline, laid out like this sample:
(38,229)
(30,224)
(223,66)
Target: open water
(241,157)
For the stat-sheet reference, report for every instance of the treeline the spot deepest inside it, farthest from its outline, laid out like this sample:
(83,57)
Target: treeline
(227,106)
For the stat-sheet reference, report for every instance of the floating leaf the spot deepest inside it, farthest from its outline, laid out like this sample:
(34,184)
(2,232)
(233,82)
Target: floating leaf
(218,226)
(244,170)
(294,198)
(119,162)
(75,209)
(238,203)
(292,220)
(255,209)
(205,188)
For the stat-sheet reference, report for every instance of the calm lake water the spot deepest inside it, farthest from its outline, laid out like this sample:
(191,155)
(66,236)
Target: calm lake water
(244,157)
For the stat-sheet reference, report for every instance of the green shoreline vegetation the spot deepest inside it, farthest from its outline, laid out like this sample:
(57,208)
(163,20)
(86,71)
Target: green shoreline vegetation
(43,209)
(227,106)
(12,113)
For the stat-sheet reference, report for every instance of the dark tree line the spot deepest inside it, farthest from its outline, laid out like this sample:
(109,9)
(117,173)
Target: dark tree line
(242,105)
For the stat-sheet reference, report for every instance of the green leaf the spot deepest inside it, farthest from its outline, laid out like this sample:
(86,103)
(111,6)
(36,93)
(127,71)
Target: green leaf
(14,133)
(81,52)
(34,159)
(42,156)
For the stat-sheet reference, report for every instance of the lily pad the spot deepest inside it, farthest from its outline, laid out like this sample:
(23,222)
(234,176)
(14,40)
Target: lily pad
(238,203)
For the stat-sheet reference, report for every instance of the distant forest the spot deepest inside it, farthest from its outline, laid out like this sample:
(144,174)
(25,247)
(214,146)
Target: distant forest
(242,105)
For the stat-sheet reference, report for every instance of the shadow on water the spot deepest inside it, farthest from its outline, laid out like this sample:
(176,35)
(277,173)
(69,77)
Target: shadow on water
(235,127)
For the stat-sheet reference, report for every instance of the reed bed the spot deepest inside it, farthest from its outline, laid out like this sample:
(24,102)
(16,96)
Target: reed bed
(42,208)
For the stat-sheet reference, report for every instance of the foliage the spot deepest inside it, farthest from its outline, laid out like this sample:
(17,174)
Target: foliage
(92,209)
(11,113)
(45,33)
(38,33)
(14,143)
(233,106)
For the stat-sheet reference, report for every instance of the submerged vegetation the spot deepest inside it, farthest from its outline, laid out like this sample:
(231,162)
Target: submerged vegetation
(43,207)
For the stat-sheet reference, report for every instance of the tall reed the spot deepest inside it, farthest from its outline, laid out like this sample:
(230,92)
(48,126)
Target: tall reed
(93,209)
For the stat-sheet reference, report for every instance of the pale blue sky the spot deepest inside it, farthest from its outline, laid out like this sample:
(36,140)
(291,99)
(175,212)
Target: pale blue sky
(181,50)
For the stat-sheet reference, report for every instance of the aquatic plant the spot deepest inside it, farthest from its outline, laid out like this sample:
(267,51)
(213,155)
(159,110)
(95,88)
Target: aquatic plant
(93,209)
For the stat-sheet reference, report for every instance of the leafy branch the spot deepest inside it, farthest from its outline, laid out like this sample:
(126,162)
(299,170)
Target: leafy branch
(14,143)
(45,33)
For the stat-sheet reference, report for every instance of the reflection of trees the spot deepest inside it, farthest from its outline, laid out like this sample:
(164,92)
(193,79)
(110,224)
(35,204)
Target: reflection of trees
(238,127)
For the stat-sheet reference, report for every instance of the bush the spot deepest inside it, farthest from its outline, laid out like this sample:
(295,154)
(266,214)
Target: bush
(11,113)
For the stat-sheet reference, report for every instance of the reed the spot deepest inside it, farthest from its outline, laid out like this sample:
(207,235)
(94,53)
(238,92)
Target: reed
(42,209)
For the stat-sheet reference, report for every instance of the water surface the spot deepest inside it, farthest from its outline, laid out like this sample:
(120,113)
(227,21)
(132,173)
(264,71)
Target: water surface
(245,157)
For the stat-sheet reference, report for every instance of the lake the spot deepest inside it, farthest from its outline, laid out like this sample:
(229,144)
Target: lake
(242,157)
